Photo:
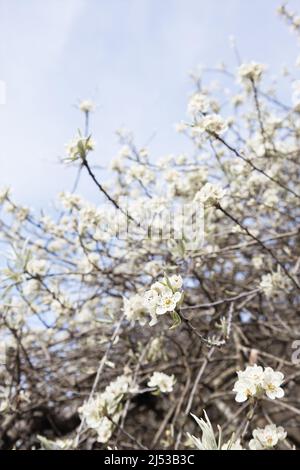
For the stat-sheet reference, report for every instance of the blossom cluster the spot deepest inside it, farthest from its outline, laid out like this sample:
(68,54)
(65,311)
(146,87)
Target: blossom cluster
(212,123)
(267,437)
(251,71)
(275,283)
(255,382)
(209,195)
(78,148)
(102,412)
(163,297)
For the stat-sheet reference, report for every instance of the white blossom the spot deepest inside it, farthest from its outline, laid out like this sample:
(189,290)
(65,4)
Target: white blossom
(258,261)
(102,410)
(212,123)
(251,71)
(267,437)
(104,429)
(86,106)
(92,411)
(274,283)
(167,301)
(37,267)
(79,148)
(210,194)
(163,297)
(163,382)
(198,104)
(244,388)
(176,282)
(272,381)
(134,309)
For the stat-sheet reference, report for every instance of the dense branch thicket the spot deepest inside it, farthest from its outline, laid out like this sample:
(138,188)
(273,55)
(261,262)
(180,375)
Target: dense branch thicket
(112,336)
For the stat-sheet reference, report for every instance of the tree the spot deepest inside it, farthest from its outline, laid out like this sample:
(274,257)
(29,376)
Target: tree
(118,320)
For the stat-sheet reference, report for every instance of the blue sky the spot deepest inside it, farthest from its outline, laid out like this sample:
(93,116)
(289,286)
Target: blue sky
(132,57)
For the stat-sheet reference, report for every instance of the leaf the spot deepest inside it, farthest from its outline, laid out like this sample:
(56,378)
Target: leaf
(176,320)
